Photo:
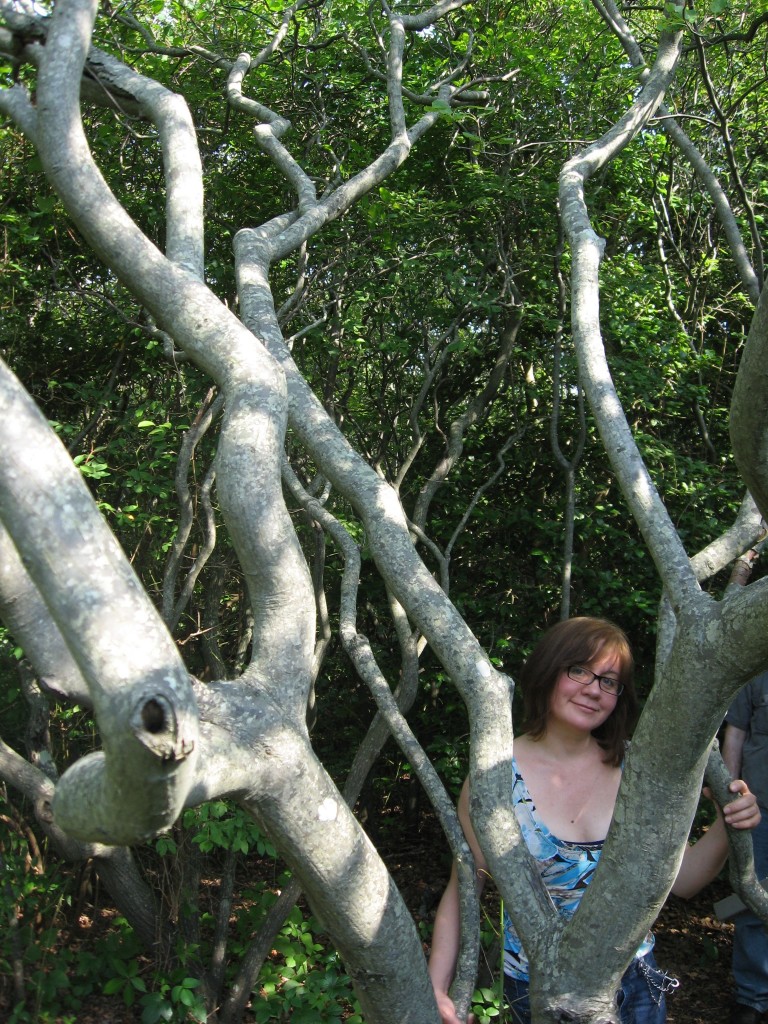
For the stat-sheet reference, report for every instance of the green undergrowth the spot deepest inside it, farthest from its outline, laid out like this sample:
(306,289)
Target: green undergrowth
(63,948)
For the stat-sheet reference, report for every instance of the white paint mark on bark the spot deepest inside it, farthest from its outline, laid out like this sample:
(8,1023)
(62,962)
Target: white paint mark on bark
(328,810)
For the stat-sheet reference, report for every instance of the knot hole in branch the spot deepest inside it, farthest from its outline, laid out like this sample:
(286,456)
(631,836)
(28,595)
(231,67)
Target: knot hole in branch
(153,716)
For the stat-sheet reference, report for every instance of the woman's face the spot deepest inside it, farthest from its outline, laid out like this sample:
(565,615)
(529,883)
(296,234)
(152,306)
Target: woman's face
(584,705)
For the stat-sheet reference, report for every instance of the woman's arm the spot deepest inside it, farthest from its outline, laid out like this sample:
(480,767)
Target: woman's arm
(445,949)
(702,862)
(446,933)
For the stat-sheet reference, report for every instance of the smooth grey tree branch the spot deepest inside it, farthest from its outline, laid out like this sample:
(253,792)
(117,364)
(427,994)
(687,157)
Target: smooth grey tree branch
(587,248)
(749,409)
(138,684)
(26,614)
(173,605)
(741,860)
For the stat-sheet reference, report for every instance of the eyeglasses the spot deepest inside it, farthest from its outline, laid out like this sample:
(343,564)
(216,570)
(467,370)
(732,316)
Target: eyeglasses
(608,684)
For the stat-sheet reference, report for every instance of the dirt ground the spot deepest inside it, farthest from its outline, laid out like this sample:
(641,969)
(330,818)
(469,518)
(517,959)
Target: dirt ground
(695,946)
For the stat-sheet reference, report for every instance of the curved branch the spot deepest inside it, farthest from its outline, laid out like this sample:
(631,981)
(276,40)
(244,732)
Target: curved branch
(725,134)
(114,864)
(173,608)
(139,686)
(745,531)
(749,408)
(391,711)
(24,612)
(419,22)
(109,79)
(286,233)
(613,18)
(248,474)
(459,427)
(17,104)
(568,465)
(182,167)
(587,248)
(741,860)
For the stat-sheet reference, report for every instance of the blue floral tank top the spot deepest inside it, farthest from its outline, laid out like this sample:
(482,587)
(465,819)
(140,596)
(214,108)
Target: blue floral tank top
(566,870)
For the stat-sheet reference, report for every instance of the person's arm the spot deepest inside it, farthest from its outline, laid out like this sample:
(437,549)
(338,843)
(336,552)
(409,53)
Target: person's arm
(702,862)
(445,949)
(446,934)
(733,748)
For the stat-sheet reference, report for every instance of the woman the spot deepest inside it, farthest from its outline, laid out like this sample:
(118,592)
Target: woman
(579,703)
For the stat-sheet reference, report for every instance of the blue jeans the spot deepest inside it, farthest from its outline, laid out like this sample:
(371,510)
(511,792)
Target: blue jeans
(750,940)
(641,999)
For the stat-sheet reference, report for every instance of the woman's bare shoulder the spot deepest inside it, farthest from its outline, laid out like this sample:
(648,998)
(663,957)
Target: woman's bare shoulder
(530,759)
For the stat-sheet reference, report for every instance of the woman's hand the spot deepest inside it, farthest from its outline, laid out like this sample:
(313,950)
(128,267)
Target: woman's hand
(448,1010)
(702,861)
(742,812)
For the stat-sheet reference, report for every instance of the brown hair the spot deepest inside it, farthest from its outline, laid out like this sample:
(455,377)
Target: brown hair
(579,641)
